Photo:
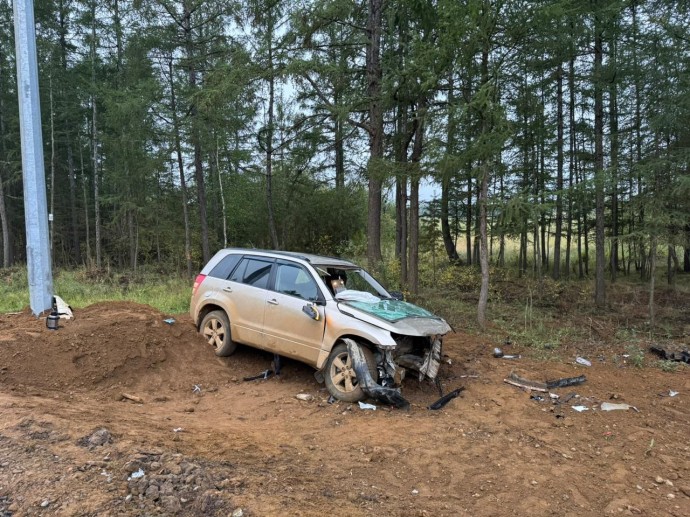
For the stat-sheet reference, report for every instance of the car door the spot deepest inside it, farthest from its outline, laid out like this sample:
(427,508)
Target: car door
(288,330)
(246,293)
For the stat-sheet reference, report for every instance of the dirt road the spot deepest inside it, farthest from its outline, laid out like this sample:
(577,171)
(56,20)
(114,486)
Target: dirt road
(208,443)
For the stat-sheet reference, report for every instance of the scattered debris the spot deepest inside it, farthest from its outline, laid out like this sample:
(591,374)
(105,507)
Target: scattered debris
(445,399)
(263,375)
(63,310)
(238,513)
(498,354)
(331,399)
(681,356)
(672,393)
(536,397)
(304,396)
(608,406)
(565,382)
(521,382)
(52,321)
(364,405)
(196,388)
(583,361)
(580,409)
(415,491)
(136,475)
(133,398)
(169,321)
(178,430)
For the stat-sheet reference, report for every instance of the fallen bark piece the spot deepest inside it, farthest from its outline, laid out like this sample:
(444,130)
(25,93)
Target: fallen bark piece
(133,398)
(528,384)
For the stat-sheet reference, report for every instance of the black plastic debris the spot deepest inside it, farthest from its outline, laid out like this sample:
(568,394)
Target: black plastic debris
(445,399)
(567,381)
(263,375)
(682,356)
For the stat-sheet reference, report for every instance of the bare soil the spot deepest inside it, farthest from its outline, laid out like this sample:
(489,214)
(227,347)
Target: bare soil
(209,443)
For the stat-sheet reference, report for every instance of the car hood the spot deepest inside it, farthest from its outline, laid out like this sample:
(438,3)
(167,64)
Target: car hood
(396,316)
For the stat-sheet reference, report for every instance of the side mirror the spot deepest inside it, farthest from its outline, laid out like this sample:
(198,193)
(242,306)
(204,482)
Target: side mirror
(312,311)
(397,295)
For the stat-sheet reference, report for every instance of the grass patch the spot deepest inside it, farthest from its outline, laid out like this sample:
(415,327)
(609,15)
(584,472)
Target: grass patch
(81,287)
(636,355)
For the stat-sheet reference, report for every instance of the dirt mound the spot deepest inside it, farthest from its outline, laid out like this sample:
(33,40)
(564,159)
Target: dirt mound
(106,346)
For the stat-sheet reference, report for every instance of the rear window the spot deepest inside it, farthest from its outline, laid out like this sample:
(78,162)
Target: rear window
(225,267)
(252,271)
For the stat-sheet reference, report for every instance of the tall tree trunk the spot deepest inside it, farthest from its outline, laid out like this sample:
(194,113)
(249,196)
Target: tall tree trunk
(94,141)
(269,152)
(556,271)
(195,137)
(180,167)
(4,220)
(672,265)
(572,144)
(222,197)
(613,102)
(402,143)
(416,157)
(448,242)
(468,218)
(483,197)
(652,279)
(642,256)
(75,247)
(51,218)
(374,81)
(87,227)
(599,173)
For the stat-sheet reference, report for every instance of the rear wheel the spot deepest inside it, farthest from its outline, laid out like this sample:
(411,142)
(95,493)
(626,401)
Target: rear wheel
(215,328)
(340,377)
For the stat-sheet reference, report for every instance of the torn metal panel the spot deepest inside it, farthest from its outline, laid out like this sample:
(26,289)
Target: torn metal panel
(432,361)
(386,395)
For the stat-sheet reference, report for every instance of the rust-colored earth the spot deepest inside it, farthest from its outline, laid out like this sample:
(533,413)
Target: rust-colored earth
(69,442)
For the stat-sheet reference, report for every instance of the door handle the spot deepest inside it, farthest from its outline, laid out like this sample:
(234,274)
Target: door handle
(273,301)
(227,289)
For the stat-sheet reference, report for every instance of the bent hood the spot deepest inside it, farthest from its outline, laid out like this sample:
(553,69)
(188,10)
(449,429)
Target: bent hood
(396,316)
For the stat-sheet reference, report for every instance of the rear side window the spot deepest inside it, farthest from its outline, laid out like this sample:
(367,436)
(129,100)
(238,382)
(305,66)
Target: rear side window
(225,267)
(252,272)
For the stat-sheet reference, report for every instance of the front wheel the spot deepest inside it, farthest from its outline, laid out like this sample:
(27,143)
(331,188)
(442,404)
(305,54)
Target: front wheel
(341,379)
(215,327)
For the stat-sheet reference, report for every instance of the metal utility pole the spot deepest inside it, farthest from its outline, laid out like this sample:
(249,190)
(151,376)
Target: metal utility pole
(36,212)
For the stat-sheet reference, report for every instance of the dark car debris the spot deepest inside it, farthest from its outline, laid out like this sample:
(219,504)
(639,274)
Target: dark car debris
(445,399)
(668,355)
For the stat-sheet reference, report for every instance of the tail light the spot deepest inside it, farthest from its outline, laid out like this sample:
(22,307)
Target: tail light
(197,283)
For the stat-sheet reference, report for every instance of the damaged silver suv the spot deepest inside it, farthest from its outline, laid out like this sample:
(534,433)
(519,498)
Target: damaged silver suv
(323,311)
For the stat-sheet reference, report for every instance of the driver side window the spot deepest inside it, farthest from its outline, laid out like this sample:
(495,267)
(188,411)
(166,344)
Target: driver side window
(295,281)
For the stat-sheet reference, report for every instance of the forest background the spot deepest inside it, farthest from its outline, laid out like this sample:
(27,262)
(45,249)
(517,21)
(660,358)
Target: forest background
(556,132)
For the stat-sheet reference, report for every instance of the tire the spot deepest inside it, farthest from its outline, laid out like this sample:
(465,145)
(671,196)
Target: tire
(340,377)
(215,329)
